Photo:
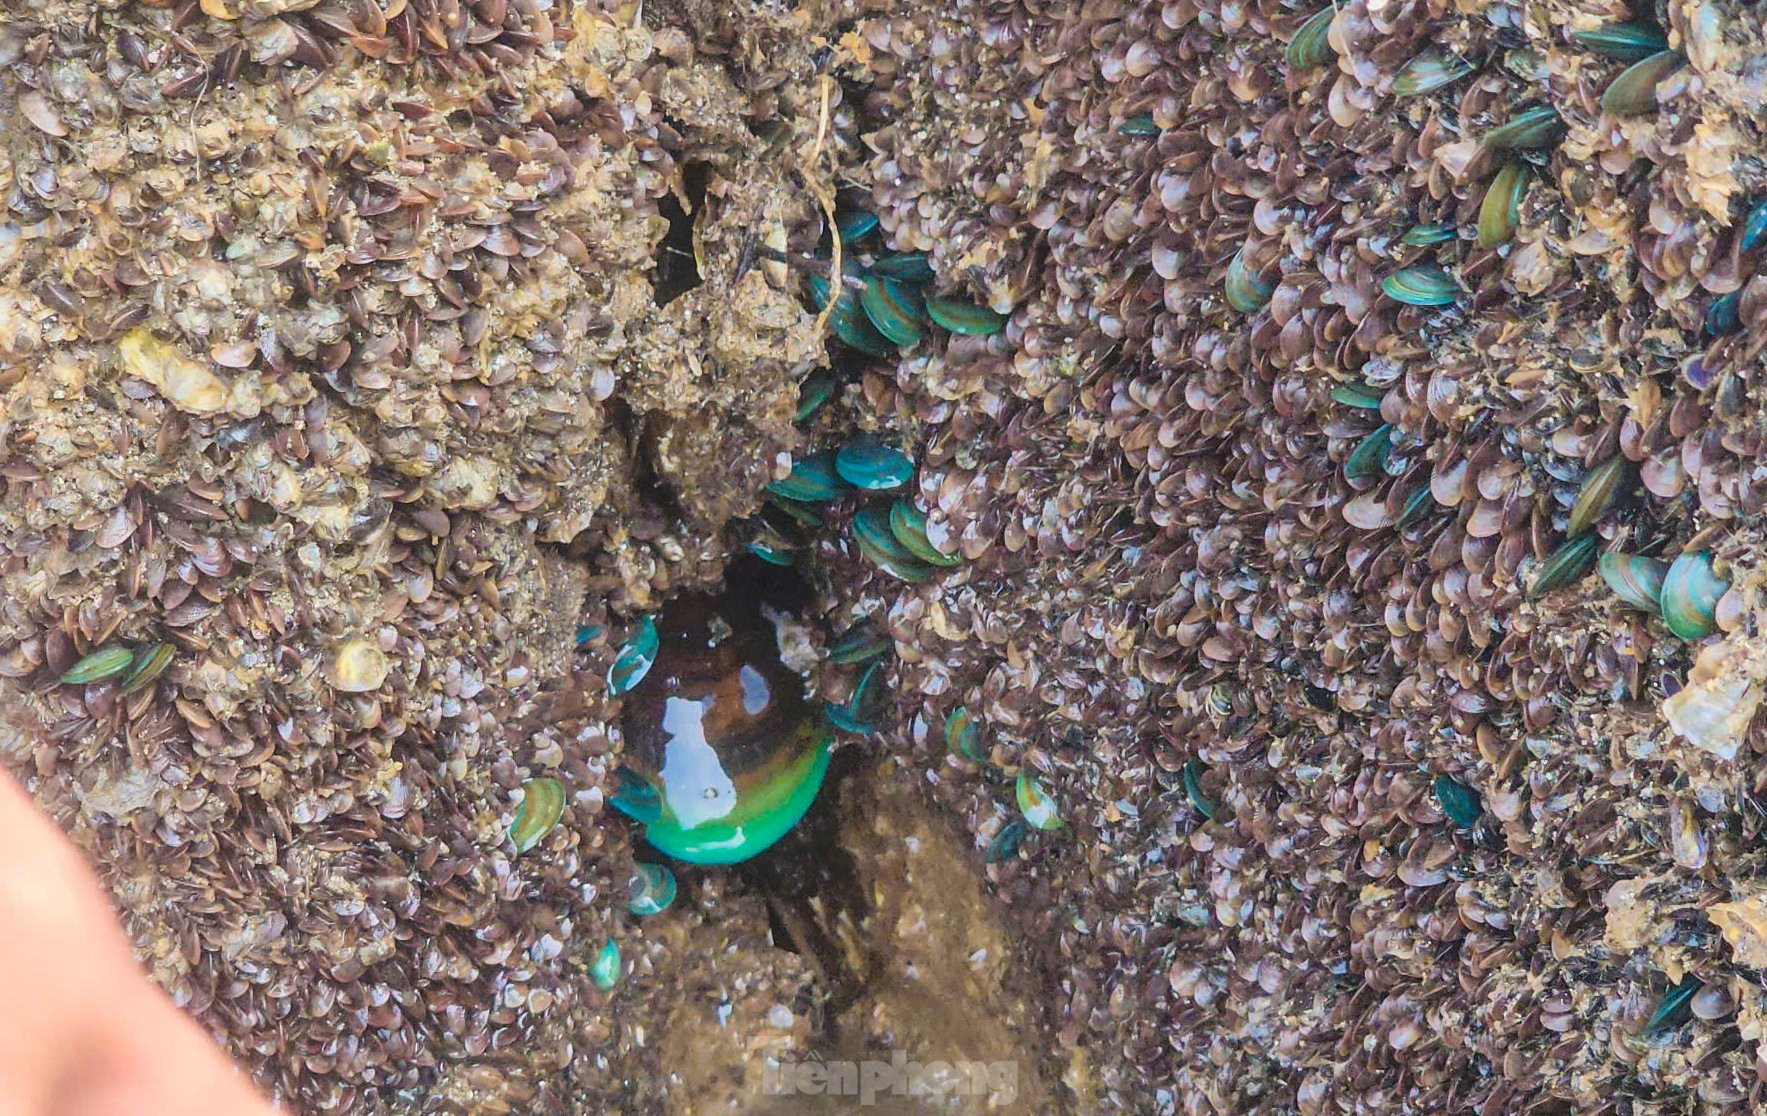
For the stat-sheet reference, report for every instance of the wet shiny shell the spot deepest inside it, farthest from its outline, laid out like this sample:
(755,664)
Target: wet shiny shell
(1528,130)
(1723,316)
(650,890)
(1459,801)
(1360,396)
(1673,1009)
(1138,126)
(813,392)
(864,706)
(906,267)
(1193,789)
(1602,487)
(1754,227)
(849,322)
(893,308)
(854,224)
(1311,45)
(541,806)
(1422,236)
(1623,42)
(866,462)
(106,662)
(1689,596)
(1369,458)
(878,543)
(605,969)
(149,664)
(1500,212)
(1634,91)
(1035,802)
(634,660)
(964,318)
(1418,505)
(860,644)
(908,525)
(1004,844)
(813,479)
(721,733)
(1635,579)
(963,737)
(1423,285)
(1565,565)
(1245,292)
(1430,71)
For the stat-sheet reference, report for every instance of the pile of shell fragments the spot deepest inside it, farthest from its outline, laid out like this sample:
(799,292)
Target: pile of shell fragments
(1364,373)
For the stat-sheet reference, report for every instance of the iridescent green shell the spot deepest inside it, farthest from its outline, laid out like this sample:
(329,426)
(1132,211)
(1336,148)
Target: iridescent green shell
(1565,565)
(860,644)
(1689,596)
(1311,45)
(634,660)
(1193,789)
(963,737)
(849,322)
(1360,396)
(1423,285)
(1634,91)
(866,462)
(854,224)
(1245,291)
(149,663)
(106,662)
(905,267)
(724,752)
(1754,226)
(894,308)
(1422,236)
(1417,505)
(1369,458)
(1674,1008)
(1635,579)
(813,479)
(650,890)
(1528,130)
(1035,802)
(908,525)
(541,806)
(964,317)
(1429,71)
(1623,42)
(1601,488)
(605,969)
(864,706)
(1724,315)
(1004,844)
(1459,801)
(1500,212)
(1138,126)
(815,390)
(879,545)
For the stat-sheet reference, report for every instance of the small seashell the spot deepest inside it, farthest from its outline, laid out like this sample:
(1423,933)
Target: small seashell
(1634,90)
(358,666)
(964,318)
(1500,212)
(866,462)
(42,115)
(862,709)
(541,806)
(605,969)
(106,662)
(1528,130)
(1035,803)
(1754,227)
(1635,579)
(1423,285)
(650,889)
(635,659)
(1724,314)
(1429,71)
(1418,505)
(1005,843)
(1311,45)
(1689,596)
(849,322)
(1623,42)
(1601,487)
(1564,565)
(1459,801)
(1245,292)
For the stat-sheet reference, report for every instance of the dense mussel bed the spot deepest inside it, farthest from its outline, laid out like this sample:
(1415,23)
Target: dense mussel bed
(1283,483)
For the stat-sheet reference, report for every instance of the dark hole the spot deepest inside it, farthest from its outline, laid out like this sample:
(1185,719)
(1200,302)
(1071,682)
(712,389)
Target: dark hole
(781,934)
(676,273)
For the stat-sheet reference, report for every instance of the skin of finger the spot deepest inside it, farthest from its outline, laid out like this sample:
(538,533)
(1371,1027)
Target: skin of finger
(103,1039)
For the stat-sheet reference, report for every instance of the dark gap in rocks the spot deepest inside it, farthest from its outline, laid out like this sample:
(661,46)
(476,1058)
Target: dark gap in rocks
(676,271)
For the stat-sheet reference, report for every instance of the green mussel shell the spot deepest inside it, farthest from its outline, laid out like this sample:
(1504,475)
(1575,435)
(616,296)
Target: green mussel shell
(854,224)
(1623,42)
(1673,1009)
(650,890)
(541,806)
(1369,458)
(1360,396)
(1245,291)
(106,662)
(1564,565)
(1139,126)
(1417,505)
(771,549)
(1634,90)
(1754,226)
(860,712)
(1423,285)
(1422,236)
(963,737)
(797,510)
(866,462)
(815,390)
(813,479)
(1724,315)
(1006,843)
(879,545)
(1500,212)
(1430,71)
(862,643)
(906,267)
(964,318)
(1529,130)
(849,322)
(1311,46)
(1035,802)
(1603,485)
(1635,579)
(1689,596)
(894,308)
(148,665)
(605,969)
(1193,789)
(908,524)
(634,660)
(1459,801)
